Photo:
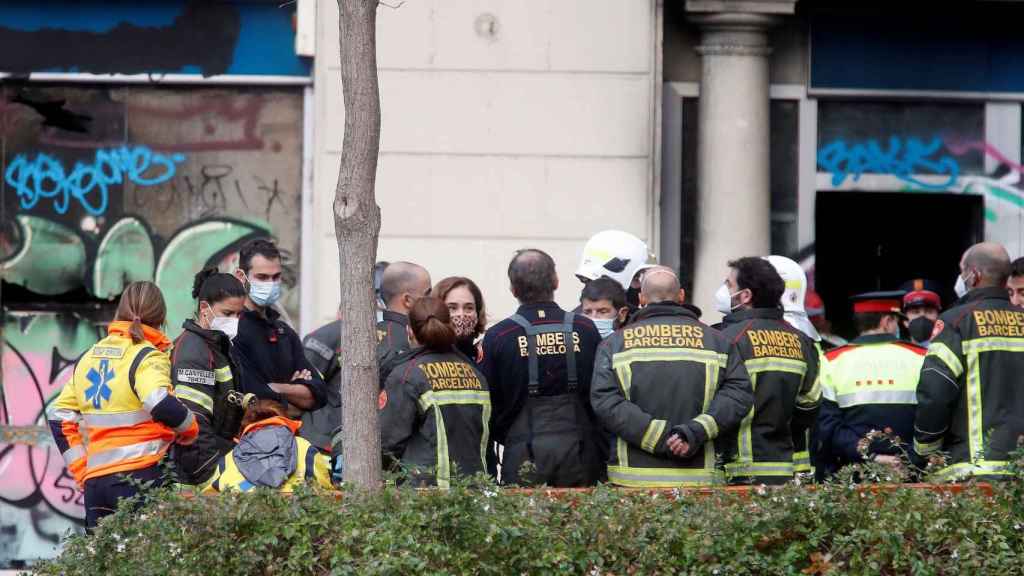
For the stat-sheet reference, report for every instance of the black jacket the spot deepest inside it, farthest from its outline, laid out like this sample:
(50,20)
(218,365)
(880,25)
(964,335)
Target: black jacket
(323,351)
(553,428)
(268,351)
(203,375)
(969,400)
(783,367)
(667,370)
(434,413)
(392,343)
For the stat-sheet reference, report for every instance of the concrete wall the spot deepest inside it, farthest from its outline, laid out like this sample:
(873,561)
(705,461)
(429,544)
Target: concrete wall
(506,124)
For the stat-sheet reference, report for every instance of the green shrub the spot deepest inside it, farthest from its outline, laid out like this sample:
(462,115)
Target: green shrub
(479,529)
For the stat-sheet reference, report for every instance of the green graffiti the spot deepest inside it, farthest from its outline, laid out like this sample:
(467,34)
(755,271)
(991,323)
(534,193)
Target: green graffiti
(125,255)
(50,259)
(187,253)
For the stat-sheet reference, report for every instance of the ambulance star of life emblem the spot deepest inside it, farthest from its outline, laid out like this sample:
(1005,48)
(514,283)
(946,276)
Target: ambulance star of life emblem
(100,391)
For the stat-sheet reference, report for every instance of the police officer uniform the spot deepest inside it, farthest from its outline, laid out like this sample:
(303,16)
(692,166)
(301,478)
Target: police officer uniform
(204,377)
(539,365)
(868,384)
(122,392)
(435,411)
(667,371)
(323,350)
(969,401)
(782,363)
(392,342)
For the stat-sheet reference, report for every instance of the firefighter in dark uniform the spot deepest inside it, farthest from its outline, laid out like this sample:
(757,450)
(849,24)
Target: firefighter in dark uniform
(782,364)
(204,375)
(323,350)
(667,376)
(869,384)
(401,285)
(539,364)
(435,407)
(969,401)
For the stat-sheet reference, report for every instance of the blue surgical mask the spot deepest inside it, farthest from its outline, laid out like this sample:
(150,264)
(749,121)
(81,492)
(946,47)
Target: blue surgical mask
(606,326)
(264,293)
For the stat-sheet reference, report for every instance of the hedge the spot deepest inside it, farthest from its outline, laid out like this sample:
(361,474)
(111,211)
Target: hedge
(476,528)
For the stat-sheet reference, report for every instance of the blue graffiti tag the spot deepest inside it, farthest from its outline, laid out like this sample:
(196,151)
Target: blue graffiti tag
(902,159)
(45,177)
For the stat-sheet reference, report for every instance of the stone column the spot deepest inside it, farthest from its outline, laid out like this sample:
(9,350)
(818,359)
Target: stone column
(733,173)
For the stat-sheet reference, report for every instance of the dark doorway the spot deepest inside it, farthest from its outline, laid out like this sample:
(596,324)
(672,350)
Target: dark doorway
(869,241)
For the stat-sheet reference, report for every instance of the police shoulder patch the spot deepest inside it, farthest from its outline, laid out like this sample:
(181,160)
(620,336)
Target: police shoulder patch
(937,329)
(382,399)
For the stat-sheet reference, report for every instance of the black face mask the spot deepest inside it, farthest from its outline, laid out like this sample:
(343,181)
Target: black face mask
(920,328)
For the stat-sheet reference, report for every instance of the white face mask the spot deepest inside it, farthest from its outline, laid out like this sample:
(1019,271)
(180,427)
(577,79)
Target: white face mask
(226,325)
(723,299)
(961,288)
(606,326)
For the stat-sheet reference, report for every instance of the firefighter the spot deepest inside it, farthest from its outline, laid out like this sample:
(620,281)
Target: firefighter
(121,390)
(402,283)
(969,404)
(435,406)
(269,454)
(539,364)
(869,384)
(204,374)
(782,364)
(665,381)
(323,351)
(794,301)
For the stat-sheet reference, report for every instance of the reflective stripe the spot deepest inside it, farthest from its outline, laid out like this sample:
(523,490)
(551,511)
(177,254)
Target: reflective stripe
(655,477)
(802,461)
(975,433)
(64,415)
(110,420)
(745,439)
(709,424)
(654,431)
(776,365)
(877,397)
(223,374)
(668,355)
(443,472)
(426,400)
(964,470)
(993,344)
(812,397)
(154,398)
(828,393)
(129,452)
(759,469)
(442,397)
(185,424)
(926,448)
(710,387)
(73,453)
(198,397)
(942,352)
(485,438)
(623,451)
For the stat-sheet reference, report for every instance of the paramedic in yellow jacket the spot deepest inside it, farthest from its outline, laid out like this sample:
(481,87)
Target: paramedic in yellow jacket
(269,454)
(121,390)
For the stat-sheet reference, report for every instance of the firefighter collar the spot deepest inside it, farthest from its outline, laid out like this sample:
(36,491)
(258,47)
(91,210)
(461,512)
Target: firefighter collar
(152,335)
(390,316)
(664,309)
(985,294)
(213,337)
(752,313)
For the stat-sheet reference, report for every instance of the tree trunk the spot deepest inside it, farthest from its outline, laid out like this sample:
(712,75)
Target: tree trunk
(356,225)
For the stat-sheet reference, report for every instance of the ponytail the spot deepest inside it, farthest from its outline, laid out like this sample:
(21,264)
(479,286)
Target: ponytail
(141,303)
(431,323)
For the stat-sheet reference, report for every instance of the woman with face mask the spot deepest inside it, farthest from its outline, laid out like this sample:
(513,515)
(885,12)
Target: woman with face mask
(465,305)
(204,376)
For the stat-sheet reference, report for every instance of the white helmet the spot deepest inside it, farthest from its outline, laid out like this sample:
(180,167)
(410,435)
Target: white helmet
(615,254)
(793,298)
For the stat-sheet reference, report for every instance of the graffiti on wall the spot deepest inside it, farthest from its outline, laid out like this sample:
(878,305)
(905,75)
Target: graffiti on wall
(164,183)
